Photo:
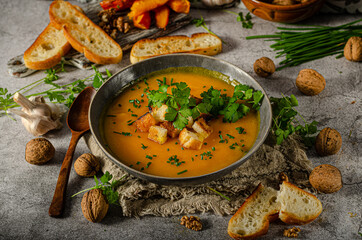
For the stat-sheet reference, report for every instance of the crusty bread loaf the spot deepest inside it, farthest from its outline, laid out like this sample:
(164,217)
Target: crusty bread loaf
(47,50)
(296,205)
(252,218)
(198,43)
(292,204)
(84,36)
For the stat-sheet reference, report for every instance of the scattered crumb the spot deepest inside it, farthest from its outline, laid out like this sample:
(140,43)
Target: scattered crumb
(192,222)
(351,214)
(353,102)
(291,232)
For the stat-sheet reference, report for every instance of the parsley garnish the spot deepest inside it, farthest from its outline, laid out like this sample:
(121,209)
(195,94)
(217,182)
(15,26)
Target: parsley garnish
(108,188)
(181,106)
(284,115)
(246,22)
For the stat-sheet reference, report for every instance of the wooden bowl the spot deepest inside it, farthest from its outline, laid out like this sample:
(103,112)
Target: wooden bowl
(284,14)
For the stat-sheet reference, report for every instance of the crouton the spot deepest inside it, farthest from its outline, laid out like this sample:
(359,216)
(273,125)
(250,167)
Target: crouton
(159,113)
(201,127)
(171,130)
(144,123)
(190,122)
(190,139)
(157,134)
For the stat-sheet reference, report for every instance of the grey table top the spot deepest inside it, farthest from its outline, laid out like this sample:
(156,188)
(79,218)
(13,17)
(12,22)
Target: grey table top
(26,190)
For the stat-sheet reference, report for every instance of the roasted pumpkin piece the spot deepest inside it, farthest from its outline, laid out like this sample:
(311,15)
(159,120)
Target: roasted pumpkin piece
(161,14)
(142,6)
(179,6)
(116,4)
(142,21)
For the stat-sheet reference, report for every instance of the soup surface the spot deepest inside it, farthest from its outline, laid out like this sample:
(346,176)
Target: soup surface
(227,144)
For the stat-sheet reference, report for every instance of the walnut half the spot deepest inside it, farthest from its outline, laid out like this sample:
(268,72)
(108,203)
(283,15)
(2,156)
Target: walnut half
(192,222)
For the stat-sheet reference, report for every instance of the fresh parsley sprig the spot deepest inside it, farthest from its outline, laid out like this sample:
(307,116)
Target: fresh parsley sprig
(181,105)
(64,94)
(245,21)
(285,121)
(200,22)
(107,186)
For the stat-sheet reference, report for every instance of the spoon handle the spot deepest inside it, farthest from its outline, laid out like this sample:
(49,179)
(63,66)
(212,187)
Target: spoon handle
(57,205)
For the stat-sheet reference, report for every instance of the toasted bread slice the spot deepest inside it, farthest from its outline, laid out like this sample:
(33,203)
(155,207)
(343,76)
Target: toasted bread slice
(297,206)
(47,50)
(252,218)
(198,43)
(171,130)
(84,35)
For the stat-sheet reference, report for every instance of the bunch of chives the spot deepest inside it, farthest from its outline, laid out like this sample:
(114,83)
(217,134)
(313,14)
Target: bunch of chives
(300,45)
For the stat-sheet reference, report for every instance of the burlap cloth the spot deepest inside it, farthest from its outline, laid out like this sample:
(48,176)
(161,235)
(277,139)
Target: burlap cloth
(139,198)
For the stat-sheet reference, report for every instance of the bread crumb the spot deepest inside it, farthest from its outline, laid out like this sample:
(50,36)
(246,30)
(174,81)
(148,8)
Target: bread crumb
(351,214)
(291,232)
(192,222)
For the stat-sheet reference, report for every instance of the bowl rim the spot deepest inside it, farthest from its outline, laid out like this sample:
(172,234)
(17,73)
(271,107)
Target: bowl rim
(281,7)
(177,180)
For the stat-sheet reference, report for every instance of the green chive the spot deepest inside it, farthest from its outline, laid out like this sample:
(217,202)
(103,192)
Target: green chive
(181,172)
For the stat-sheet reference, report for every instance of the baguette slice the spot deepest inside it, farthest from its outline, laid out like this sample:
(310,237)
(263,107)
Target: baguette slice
(252,218)
(198,43)
(47,50)
(84,35)
(297,206)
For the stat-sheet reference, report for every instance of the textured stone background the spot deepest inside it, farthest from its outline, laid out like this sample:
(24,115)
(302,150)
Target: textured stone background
(26,190)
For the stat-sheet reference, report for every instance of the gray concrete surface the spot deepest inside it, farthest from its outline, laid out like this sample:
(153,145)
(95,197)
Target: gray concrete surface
(26,190)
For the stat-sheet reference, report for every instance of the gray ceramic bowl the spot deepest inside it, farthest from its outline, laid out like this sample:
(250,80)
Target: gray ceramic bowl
(121,79)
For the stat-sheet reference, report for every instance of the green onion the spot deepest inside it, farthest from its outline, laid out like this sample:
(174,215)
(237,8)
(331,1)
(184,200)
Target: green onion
(300,45)
(181,172)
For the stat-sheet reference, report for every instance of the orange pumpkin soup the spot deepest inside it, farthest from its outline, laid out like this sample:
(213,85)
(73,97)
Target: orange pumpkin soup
(227,143)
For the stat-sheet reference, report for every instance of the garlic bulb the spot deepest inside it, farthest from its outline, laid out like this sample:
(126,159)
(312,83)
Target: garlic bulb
(37,116)
(215,3)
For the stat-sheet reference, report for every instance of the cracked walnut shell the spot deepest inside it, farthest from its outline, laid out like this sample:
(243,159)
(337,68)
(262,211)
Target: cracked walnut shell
(328,142)
(87,165)
(94,205)
(39,151)
(264,67)
(353,49)
(326,178)
(310,82)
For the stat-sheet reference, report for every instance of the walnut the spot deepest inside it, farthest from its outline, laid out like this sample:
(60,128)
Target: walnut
(192,222)
(106,15)
(284,2)
(94,205)
(87,165)
(126,27)
(328,142)
(353,49)
(113,33)
(264,67)
(310,82)
(326,178)
(39,151)
(292,232)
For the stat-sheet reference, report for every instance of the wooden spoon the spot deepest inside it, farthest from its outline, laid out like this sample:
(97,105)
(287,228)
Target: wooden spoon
(77,121)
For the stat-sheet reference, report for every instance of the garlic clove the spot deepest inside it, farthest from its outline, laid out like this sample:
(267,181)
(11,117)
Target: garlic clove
(38,117)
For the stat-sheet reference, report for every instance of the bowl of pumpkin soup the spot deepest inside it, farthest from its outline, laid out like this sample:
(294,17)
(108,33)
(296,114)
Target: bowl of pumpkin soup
(180,119)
